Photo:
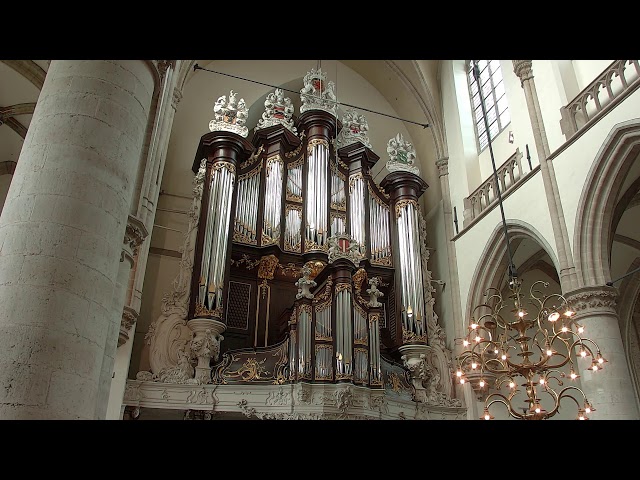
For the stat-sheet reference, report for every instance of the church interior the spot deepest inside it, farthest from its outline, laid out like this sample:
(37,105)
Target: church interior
(319,239)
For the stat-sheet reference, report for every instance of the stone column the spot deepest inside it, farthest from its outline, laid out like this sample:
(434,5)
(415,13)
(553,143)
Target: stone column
(61,234)
(147,205)
(609,390)
(443,174)
(523,69)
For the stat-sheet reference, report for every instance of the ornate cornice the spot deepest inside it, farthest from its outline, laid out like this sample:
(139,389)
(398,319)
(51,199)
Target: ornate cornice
(593,300)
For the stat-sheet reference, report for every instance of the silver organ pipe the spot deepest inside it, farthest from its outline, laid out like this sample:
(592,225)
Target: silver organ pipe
(323,362)
(404,266)
(361,367)
(359,325)
(374,348)
(338,197)
(417,274)
(206,253)
(380,239)
(411,271)
(304,341)
(272,200)
(356,208)
(293,348)
(337,223)
(294,181)
(216,235)
(344,333)
(247,206)
(293,221)
(323,322)
(316,211)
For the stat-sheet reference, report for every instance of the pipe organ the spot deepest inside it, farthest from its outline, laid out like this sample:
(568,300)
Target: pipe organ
(300,255)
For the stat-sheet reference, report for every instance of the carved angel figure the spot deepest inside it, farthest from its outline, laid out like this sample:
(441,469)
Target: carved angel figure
(304,283)
(218,108)
(334,249)
(374,292)
(242,113)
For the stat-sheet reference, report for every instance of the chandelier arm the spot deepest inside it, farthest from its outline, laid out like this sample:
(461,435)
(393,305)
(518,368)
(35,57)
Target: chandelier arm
(556,399)
(506,402)
(582,340)
(563,394)
(533,290)
(552,296)
(501,371)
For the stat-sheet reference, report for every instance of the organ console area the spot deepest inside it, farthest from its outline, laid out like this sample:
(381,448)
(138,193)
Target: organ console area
(298,266)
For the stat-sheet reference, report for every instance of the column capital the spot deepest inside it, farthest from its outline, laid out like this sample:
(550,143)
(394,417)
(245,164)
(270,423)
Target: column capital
(134,235)
(523,69)
(163,66)
(593,299)
(177,96)
(443,166)
(129,318)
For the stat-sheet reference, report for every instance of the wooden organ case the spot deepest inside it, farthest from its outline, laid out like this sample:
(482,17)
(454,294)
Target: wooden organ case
(298,270)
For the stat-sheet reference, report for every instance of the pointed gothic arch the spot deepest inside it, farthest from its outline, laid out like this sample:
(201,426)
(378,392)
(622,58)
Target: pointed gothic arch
(596,210)
(492,265)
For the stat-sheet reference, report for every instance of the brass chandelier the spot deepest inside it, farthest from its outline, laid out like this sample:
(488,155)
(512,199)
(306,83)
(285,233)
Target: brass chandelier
(532,347)
(536,347)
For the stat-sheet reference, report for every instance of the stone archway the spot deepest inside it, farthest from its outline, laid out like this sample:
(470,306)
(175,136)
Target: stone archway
(596,209)
(492,265)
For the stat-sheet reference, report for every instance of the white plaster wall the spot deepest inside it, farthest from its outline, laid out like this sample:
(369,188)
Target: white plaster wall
(160,272)
(550,100)
(463,158)
(588,70)
(572,165)
(518,205)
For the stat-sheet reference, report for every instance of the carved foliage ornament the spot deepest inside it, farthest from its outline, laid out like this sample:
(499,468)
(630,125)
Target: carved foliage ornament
(402,155)
(354,129)
(230,115)
(592,299)
(317,93)
(278,110)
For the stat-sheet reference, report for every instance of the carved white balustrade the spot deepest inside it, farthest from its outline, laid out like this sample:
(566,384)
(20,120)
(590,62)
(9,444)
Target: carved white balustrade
(509,174)
(619,79)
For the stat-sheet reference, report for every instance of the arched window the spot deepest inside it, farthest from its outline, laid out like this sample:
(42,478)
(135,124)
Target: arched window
(495,100)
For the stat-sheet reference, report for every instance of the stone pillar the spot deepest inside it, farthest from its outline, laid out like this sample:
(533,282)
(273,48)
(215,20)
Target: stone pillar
(167,106)
(456,308)
(61,233)
(568,281)
(609,390)
(524,71)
